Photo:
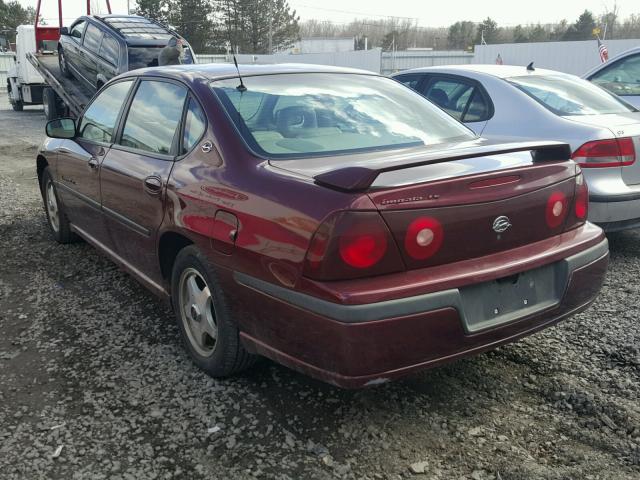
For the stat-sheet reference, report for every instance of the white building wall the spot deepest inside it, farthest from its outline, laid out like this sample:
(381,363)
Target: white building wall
(569,57)
(324,45)
(395,61)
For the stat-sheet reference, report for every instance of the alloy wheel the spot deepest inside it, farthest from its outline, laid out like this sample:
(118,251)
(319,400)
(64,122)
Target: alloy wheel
(52,207)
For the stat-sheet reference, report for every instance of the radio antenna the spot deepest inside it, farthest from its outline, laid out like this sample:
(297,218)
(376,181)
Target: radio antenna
(241,88)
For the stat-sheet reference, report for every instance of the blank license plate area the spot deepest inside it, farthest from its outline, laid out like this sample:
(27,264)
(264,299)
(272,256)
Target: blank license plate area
(501,301)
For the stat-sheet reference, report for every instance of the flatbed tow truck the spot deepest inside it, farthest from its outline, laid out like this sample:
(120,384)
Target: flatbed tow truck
(61,96)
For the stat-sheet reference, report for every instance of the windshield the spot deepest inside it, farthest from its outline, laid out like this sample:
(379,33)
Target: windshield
(307,114)
(569,96)
(143,57)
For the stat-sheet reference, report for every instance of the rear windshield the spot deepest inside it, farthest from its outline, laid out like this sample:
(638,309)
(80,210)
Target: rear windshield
(143,57)
(311,114)
(570,96)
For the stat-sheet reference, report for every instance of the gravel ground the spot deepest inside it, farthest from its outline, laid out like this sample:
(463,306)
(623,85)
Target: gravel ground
(95,384)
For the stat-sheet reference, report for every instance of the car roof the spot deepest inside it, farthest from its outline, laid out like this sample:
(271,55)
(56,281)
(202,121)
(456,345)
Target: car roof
(136,30)
(499,71)
(216,71)
(601,66)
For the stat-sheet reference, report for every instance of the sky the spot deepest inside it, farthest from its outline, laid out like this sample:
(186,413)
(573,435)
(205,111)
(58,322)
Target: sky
(428,14)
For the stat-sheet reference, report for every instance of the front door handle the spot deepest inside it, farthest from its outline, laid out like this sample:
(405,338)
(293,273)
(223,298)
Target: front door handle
(153,185)
(93,163)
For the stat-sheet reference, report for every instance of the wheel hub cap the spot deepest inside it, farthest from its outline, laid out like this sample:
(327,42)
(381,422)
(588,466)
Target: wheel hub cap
(197,312)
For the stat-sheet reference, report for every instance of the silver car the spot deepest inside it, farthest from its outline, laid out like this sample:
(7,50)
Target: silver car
(620,75)
(518,103)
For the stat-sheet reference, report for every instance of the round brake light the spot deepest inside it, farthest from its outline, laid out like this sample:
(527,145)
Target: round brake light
(556,210)
(423,238)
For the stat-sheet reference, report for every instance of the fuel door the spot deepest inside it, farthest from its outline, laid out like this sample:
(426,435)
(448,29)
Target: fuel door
(225,232)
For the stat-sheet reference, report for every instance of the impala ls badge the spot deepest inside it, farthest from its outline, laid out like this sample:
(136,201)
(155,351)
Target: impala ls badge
(207,146)
(501,224)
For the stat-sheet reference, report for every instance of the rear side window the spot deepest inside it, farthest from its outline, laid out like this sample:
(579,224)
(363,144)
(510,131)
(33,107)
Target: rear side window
(109,49)
(154,117)
(621,78)
(410,80)
(77,29)
(194,125)
(98,122)
(462,100)
(92,38)
(569,96)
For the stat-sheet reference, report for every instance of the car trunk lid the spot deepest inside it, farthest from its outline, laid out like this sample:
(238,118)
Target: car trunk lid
(475,215)
(465,202)
(625,125)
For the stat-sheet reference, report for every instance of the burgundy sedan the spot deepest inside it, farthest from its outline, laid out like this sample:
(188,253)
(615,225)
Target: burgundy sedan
(329,219)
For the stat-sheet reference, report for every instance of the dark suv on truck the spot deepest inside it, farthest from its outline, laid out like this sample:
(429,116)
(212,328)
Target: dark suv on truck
(97,48)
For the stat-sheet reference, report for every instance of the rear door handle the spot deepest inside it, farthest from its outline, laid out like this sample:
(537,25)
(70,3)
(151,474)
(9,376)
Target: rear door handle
(153,185)
(93,163)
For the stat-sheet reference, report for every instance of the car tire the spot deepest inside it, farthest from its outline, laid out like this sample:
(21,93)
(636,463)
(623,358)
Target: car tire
(56,216)
(50,103)
(202,313)
(62,63)
(17,105)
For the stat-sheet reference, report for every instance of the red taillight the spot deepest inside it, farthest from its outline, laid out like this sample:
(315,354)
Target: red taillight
(361,246)
(582,198)
(613,152)
(423,238)
(556,210)
(352,245)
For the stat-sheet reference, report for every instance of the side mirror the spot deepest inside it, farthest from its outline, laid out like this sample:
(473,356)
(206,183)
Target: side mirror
(61,128)
(64,31)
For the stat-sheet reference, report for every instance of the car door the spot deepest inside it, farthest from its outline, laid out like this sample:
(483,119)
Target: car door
(622,78)
(79,160)
(88,55)
(135,171)
(464,99)
(109,54)
(74,44)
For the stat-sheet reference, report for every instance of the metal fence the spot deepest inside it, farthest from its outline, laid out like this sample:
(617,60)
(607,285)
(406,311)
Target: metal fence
(569,57)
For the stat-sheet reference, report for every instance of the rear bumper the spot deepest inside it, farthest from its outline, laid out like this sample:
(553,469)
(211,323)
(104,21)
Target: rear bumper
(359,345)
(614,213)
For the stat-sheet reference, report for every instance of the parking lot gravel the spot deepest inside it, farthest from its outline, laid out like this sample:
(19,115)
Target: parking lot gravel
(94,383)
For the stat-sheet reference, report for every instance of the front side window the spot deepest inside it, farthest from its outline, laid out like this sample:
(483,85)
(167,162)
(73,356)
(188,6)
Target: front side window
(99,120)
(154,117)
(307,114)
(77,29)
(109,49)
(92,38)
(569,96)
(194,125)
(621,78)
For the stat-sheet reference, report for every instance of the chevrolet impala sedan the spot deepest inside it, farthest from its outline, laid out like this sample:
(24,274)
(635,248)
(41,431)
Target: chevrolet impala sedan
(329,219)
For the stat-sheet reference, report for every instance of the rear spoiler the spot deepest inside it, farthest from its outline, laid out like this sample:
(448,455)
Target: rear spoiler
(361,178)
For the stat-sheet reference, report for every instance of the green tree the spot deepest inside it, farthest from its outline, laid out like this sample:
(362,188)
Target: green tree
(13,14)
(520,35)
(155,9)
(538,34)
(460,35)
(192,19)
(488,30)
(582,29)
(260,26)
